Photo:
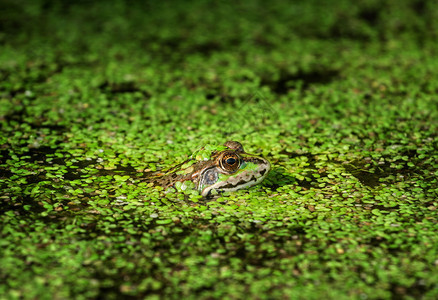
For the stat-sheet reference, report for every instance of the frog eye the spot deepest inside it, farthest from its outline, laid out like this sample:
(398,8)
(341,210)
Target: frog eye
(230,162)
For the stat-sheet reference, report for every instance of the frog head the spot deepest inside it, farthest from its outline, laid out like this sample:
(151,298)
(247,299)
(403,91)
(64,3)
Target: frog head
(221,168)
(230,169)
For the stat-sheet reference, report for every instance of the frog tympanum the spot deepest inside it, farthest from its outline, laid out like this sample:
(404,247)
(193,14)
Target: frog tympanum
(221,168)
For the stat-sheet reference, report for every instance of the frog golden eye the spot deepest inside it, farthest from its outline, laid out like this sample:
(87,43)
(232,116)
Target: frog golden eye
(230,162)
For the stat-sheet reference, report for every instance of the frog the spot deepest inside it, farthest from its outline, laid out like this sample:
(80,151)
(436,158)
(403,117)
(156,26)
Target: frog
(224,168)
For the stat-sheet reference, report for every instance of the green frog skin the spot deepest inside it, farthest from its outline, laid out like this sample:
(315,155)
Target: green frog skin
(223,168)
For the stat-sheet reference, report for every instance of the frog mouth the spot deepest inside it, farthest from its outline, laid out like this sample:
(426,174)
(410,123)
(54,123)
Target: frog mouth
(244,179)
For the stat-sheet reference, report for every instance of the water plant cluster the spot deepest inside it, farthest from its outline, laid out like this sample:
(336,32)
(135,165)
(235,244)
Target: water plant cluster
(95,97)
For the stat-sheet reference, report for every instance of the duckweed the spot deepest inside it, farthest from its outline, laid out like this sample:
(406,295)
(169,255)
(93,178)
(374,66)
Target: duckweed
(340,98)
